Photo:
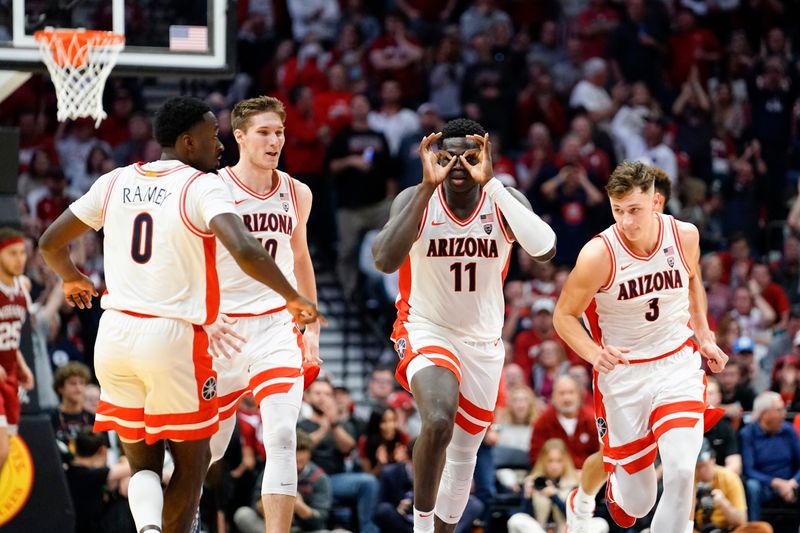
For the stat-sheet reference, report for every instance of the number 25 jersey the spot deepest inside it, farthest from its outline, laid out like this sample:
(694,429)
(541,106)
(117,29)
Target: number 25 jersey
(159,253)
(454,273)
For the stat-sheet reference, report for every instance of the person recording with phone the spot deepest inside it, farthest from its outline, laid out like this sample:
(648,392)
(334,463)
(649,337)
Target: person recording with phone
(720,505)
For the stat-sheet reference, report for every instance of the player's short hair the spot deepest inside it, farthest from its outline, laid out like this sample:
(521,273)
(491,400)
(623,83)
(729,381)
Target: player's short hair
(177,116)
(630,175)
(304,442)
(7,234)
(71,369)
(246,109)
(87,443)
(461,127)
(662,183)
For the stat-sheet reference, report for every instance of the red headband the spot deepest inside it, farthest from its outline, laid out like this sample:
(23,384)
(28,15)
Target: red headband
(9,242)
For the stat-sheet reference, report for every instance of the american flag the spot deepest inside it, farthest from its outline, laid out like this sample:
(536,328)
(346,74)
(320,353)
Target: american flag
(188,38)
(669,250)
(284,196)
(488,217)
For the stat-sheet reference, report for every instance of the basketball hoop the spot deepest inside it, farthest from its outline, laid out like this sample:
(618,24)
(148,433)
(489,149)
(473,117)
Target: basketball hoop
(79,62)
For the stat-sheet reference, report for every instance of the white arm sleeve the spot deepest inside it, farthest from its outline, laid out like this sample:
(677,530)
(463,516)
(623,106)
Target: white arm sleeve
(530,231)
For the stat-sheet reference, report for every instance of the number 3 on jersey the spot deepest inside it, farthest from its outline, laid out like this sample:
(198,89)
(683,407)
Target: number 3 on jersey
(458,269)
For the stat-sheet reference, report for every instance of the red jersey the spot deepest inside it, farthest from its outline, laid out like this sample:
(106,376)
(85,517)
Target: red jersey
(13,310)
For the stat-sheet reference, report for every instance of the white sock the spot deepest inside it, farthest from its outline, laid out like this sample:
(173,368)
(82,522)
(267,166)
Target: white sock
(146,499)
(584,503)
(690,527)
(423,521)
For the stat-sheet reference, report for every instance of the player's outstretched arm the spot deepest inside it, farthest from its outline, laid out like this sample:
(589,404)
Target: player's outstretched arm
(390,248)
(256,262)
(698,300)
(54,246)
(591,272)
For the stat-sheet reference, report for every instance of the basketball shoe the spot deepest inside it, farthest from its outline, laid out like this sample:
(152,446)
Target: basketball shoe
(576,523)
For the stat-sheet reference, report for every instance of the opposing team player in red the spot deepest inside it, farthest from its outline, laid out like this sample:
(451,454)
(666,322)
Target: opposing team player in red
(13,310)
(161,222)
(451,237)
(637,285)
(275,208)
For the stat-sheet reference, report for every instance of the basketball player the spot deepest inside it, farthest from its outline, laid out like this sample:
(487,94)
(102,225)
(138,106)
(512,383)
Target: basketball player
(636,285)
(451,237)
(151,356)
(275,209)
(13,309)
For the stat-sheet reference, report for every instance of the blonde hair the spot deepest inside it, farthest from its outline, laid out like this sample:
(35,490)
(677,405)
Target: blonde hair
(569,476)
(246,109)
(533,410)
(630,175)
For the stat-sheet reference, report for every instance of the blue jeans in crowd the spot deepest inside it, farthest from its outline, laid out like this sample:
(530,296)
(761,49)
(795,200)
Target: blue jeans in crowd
(757,493)
(361,489)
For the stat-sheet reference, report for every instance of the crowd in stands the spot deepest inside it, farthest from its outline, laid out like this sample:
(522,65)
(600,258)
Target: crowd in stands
(708,91)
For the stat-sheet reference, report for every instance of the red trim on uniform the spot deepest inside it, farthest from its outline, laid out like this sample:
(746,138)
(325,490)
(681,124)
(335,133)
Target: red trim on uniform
(474,411)
(608,284)
(203,414)
(505,268)
(276,388)
(130,414)
(599,407)
(293,195)
(249,315)
(467,425)
(134,313)
(679,245)
(594,322)
(230,402)
(641,463)
(125,432)
(156,173)
(688,406)
(275,186)
(502,224)
(182,208)
(402,303)
(689,342)
(183,434)
(684,422)
(655,250)
(108,195)
(212,280)
(203,371)
(624,451)
(452,216)
(422,224)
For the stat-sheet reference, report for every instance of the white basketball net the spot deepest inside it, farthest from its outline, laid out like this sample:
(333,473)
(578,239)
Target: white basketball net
(79,62)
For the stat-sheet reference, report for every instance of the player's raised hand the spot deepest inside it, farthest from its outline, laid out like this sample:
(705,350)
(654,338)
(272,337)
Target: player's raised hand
(610,356)
(79,292)
(481,171)
(221,337)
(717,359)
(304,312)
(434,171)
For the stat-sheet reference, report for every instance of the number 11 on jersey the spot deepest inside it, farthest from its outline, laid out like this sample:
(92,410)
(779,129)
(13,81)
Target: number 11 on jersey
(458,269)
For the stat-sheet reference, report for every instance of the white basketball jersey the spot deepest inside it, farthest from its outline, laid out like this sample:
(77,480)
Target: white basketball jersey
(645,303)
(159,254)
(272,219)
(453,275)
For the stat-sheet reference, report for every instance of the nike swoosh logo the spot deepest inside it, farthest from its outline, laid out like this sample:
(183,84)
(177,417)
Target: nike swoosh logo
(237,202)
(425,515)
(624,267)
(437,223)
(453,516)
(286,484)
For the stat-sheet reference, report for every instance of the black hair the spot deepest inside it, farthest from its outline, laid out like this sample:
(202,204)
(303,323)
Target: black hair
(177,116)
(461,127)
(87,443)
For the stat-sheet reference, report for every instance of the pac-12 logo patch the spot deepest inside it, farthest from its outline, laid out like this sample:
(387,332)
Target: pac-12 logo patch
(400,347)
(602,427)
(210,388)
(487,228)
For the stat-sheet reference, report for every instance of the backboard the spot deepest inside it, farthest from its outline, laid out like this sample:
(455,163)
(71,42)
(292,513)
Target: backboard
(183,37)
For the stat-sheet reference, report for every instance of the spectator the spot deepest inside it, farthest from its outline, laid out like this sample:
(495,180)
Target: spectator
(772,293)
(480,16)
(74,141)
(590,93)
(427,16)
(89,479)
(128,152)
(333,438)
(446,76)
(565,419)
(770,455)
(379,390)
(752,312)
(528,343)
(637,46)
(595,23)
(383,442)
(548,50)
(307,67)
(70,418)
(304,151)
(552,478)
(785,381)
(718,293)
(393,120)
(32,183)
(550,364)
(720,497)
(722,436)
(410,173)
(312,503)
(594,159)
(396,56)
(691,47)
(55,200)
(359,159)
(97,164)
(333,104)
(317,17)
(515,427)
(784,343)
(538,158)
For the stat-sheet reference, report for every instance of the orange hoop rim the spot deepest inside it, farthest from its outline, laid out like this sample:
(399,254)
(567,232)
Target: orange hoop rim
(81,35)
(69,47)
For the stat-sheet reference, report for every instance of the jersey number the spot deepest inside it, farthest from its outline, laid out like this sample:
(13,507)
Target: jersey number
(270,245)
(9,335)
(652,314)
(142,242)
(458,269)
